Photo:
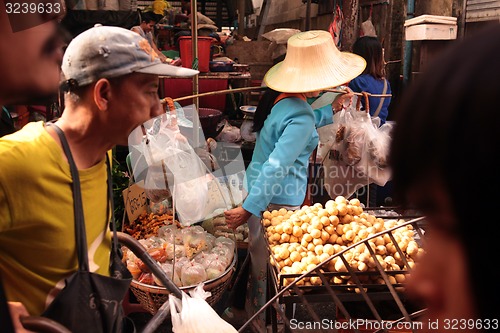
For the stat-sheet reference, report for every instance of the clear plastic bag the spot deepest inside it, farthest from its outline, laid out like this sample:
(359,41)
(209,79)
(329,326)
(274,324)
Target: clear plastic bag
(174,252)
(229,133)
(376,152)
(169,270)
(193,273)
(171,167)
(224,241)
(215,267)
(341,174)
(179,264)
(171,234)
(204,258)
(194,239)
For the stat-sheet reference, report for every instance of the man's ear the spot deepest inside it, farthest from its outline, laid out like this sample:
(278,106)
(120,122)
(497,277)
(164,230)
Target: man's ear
(102,94)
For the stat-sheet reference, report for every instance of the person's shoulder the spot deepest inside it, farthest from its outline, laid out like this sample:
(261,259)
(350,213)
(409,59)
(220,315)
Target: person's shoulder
(19,140)
(294,104)
(362,80)
(294,107)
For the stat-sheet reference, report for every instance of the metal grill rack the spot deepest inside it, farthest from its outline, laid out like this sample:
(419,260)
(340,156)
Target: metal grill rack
(289,289)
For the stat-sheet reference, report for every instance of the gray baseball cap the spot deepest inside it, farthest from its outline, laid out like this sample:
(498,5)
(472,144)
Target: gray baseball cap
(107,52)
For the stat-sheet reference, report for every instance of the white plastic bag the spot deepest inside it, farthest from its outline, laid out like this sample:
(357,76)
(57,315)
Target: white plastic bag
(171,167)
(193,314)
(229,133)
(357,153)
(374,162)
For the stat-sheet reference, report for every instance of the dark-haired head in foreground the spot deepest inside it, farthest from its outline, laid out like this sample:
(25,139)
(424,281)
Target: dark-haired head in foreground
(443,154)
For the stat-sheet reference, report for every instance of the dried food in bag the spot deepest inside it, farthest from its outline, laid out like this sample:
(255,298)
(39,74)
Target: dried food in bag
(192,274)
(356,138)
(210,242)
(171,234)
(158,254)
(223,253)
(159,208)
(229,243)
(156,184)
(134,269)
(204,258)
(179,263)
(174,251)
(378,145)
(173,276)
(340,129)
(215,268)
(142,266)
(146,278)
(194,239)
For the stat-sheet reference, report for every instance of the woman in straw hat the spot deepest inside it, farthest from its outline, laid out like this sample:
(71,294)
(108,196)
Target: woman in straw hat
(285,126)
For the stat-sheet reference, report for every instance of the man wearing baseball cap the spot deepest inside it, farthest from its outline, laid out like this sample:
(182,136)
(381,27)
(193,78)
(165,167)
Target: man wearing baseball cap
(110,76)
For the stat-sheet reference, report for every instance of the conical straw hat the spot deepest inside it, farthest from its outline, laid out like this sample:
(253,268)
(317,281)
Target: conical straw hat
(313,63)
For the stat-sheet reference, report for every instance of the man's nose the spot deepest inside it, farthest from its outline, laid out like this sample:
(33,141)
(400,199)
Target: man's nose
(157,109)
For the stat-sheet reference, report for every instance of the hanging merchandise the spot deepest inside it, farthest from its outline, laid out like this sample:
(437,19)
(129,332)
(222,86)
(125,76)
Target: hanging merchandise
(335,27)
(164,158)
(367,28)
(356,151)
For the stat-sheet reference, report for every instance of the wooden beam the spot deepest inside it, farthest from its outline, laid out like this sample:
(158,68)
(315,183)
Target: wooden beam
(350,24)
(241,17)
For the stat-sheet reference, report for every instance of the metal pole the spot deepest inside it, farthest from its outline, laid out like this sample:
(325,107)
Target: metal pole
(194,45)
(410,13)
(308,15)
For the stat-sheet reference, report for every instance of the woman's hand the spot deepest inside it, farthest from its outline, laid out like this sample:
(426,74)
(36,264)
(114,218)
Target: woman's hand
(343,100)
(236,217)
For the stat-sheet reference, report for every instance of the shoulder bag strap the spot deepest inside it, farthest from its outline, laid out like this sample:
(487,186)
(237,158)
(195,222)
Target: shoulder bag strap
(381,100)
(111,210)
(80,234)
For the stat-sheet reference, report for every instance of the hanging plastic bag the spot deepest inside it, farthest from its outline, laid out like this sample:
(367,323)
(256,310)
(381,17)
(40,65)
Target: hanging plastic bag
(193,314)
(229,133)
(341,175)
(374,162)
(170,167)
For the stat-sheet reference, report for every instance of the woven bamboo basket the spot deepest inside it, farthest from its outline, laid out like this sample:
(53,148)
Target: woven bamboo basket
(152,297)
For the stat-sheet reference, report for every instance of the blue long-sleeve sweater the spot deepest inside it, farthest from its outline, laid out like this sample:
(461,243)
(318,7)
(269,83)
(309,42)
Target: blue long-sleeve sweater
(370,84)
(278,171)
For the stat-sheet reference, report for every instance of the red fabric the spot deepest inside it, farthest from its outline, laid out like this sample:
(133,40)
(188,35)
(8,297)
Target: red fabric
(286,95)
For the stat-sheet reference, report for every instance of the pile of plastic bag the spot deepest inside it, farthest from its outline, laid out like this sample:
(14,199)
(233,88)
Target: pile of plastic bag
(354,151)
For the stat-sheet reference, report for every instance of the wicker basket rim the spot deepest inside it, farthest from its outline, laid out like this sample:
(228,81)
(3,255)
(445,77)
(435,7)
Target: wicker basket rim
(209,284)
